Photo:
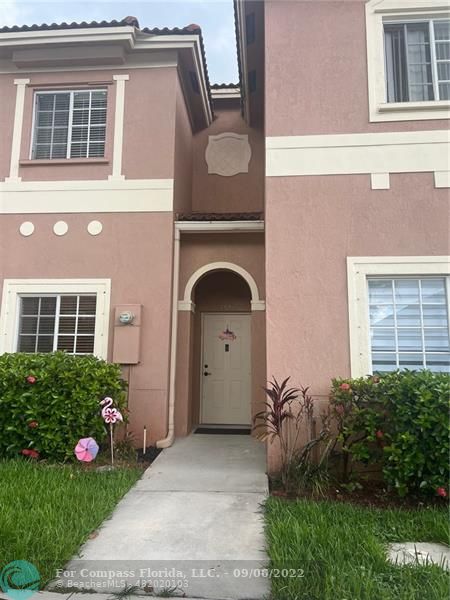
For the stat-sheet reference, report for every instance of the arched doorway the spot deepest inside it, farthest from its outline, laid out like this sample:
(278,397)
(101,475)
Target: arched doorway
(222,350)
(219,300)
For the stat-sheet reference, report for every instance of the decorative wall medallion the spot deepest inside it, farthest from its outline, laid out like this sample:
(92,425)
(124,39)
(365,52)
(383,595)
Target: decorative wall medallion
(94,227)
(26,228)
(60,228)
(228,154)
(227,335)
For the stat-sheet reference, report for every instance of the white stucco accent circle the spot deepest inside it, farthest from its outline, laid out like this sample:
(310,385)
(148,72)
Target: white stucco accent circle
(26,228)
(60,228)
(94,227)
(256,302)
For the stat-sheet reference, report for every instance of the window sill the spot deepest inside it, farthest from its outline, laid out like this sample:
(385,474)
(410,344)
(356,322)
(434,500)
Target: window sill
(426,105)
(62,161)
(412,111)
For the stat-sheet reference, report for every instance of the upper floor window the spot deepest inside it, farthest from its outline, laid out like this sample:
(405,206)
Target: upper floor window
(417,60)
(69,124)
(408,59)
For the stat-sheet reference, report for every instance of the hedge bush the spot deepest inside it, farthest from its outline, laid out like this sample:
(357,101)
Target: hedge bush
(49,401)
(400,419)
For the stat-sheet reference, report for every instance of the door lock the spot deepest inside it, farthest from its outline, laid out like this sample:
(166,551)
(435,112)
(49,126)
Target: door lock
(205,373)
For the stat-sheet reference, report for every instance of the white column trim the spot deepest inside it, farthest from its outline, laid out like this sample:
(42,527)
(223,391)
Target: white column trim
(17,129)
(118,126)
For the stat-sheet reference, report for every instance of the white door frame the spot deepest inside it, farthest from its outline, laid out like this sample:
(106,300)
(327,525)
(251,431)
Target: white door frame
(202,329)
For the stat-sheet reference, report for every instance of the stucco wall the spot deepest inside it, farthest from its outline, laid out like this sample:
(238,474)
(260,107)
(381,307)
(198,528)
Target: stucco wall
(316,70)
(240,193)
(149,124)
(135,252)
(316,83)
(182,193)
(313,225)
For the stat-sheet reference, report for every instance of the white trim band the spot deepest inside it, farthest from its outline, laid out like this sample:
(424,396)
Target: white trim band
(115,195)
(359,153)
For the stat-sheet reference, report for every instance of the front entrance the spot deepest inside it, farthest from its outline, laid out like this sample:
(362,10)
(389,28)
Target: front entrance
(225,369)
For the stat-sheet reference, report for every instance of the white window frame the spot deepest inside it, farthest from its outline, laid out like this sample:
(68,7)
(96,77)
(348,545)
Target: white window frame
(379,12)
(359,269)
(14,289)
(69,126)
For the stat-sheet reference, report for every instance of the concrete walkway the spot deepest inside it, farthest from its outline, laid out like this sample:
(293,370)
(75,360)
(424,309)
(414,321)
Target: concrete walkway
(192,524)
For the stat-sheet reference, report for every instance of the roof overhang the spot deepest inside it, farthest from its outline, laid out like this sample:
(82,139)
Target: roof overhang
(219,226)
(239,16)
(225,93)
(38,49)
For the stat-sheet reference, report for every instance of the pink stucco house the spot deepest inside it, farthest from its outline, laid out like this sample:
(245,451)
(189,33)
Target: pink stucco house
(207,237)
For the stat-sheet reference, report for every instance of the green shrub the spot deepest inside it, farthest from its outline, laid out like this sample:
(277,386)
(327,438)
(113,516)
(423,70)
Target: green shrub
(49,401)
(400,419)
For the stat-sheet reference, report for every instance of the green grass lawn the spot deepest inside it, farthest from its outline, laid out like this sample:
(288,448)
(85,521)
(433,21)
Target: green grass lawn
(341,548)
(48,511)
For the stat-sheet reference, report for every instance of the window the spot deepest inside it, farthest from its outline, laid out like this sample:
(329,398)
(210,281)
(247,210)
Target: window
(50,323)
(408,59)
(409,324)
(399,310)
(45,315)
(69,124)
(417,60)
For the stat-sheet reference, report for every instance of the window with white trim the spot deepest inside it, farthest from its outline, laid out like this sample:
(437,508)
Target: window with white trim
(44,315)
(399,309)
(409,323)
(69,124)
(57,322)
(408,59)
(417,55)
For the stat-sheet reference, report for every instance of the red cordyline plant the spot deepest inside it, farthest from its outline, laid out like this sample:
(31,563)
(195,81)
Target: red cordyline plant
(286,409)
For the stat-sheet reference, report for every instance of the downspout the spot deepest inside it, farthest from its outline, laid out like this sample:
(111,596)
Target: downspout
(169,439)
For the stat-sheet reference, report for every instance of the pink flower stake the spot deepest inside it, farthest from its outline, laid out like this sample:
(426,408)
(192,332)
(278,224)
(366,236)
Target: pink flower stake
(110,416)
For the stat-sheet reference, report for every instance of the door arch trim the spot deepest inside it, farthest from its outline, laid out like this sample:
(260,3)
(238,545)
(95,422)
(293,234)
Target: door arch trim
(187,303)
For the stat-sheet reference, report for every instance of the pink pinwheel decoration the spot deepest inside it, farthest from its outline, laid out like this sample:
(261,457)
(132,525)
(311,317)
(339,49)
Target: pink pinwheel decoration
(86,449)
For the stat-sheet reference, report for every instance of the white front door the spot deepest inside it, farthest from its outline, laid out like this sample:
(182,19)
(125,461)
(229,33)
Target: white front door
(226,373)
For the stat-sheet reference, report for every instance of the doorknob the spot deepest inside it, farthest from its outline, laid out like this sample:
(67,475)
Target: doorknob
(206,373)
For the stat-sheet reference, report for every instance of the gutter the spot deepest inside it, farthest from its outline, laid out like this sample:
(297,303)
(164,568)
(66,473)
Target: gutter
(169,439)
